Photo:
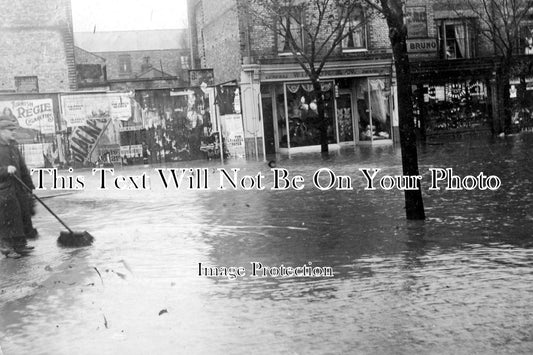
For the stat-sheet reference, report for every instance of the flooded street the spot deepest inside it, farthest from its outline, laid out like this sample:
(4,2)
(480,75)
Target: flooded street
(460,282)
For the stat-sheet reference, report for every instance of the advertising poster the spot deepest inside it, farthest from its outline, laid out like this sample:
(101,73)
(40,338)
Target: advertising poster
(81,107)
(416,20)
(35,114)
(109,154)
(233,134)
(85,138)
(94,119)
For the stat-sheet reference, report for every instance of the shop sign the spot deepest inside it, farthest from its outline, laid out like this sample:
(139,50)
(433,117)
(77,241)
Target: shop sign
(131,151)
(416,21)
(516,81)
(326,73)
(34,114)
(421,45)
(233,133)
(130,128)
(77,109)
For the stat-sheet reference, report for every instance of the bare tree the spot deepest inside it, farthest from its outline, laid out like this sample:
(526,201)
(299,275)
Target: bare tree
(393,12)
(321,25)
(325,26)
(501,23)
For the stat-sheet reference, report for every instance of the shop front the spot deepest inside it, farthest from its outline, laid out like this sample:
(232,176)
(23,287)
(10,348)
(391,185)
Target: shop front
(454,107)
(358,107)
(170,125)
(454,97)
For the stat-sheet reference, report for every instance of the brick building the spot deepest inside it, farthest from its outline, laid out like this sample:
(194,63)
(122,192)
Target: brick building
(455,73)
(356,79)
(453,68)
(37,49)
(133,59)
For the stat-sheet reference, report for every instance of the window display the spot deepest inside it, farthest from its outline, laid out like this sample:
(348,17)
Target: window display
(301,126)
(344,117)
(373,110)
(455,106)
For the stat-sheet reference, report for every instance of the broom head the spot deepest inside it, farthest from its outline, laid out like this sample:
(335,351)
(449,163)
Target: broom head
(75,239)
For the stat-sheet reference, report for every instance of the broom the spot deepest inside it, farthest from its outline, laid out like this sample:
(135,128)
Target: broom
(68,238)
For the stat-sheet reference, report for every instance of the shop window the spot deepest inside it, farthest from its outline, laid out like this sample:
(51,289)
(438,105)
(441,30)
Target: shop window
(456,106)
(344,117)
(355,32)
(124,64)
(456,39)
(298,121)
(289,29)
(373,110)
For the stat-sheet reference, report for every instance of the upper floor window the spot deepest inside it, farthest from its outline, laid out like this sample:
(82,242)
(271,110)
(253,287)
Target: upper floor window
(526,40)
(289,28)
(184,62)
(124,64)
(456,39)
(146,65)
(355,31)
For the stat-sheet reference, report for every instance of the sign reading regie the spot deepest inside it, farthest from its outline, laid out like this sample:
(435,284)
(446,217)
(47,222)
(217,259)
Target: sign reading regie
(34,114)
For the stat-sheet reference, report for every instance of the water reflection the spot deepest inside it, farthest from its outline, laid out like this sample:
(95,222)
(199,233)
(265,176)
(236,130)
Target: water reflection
(457,282)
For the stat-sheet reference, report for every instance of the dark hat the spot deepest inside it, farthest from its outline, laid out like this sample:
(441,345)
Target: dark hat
(7,123)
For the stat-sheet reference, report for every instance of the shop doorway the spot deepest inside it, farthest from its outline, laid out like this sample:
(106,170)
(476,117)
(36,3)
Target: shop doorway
(268,124)
(345,125)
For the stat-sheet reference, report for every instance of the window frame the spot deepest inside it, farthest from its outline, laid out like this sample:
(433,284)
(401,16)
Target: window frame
(526,34)
(124,64)
(279,38)
(184,62)
(364,48)
(469,38)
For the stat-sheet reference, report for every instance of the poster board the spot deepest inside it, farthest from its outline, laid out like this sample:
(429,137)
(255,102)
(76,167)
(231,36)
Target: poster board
(35,114)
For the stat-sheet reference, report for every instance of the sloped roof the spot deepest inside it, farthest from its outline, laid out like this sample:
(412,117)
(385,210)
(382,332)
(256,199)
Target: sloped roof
(127,41)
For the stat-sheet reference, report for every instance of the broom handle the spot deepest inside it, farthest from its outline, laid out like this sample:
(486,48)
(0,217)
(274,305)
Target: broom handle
(42,203)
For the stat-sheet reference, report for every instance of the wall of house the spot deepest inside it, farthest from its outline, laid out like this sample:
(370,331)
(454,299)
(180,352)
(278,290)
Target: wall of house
(37,40)
(217,32)
(264,41)
(168,61)
(455,9)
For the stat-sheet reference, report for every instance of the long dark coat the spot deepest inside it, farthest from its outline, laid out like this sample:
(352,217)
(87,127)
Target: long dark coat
(15,201)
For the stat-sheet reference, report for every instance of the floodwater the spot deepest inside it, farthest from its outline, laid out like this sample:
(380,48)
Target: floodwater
(460,282)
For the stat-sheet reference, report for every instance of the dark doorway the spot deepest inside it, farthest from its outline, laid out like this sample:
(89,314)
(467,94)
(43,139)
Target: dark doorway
(268,125)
